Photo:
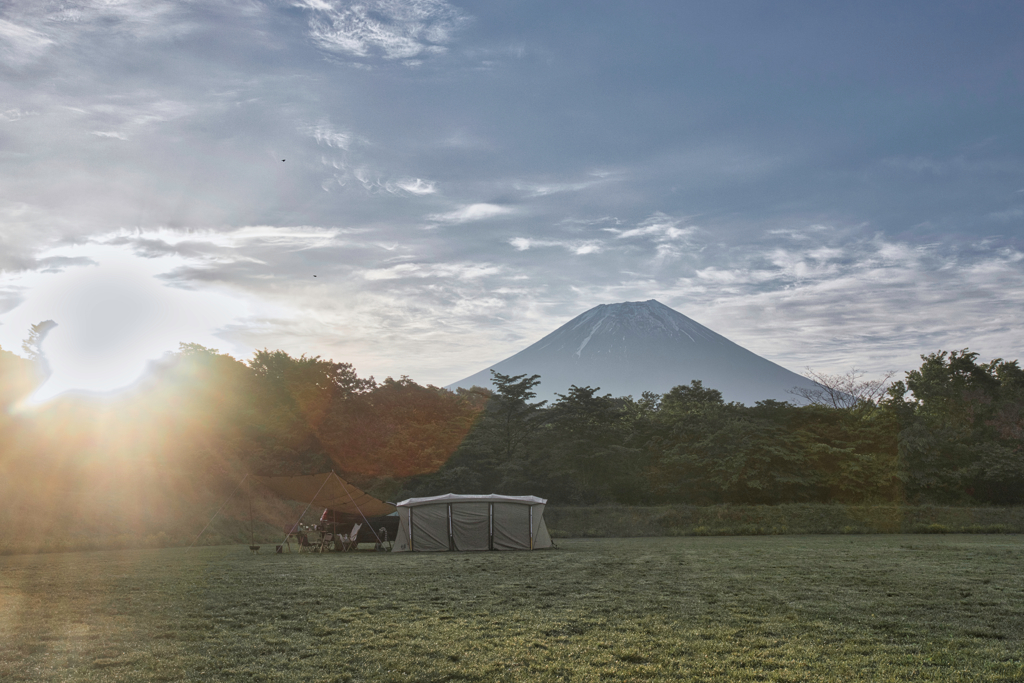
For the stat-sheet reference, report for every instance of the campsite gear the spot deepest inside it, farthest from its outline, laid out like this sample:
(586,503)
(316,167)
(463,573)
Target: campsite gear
(350,540)
(472,522)
(382,533)
(219,510)
(291,531)
(304,543)
(328,490)
(340,522)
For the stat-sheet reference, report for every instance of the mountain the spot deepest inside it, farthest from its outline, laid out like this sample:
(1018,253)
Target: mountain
(637,346)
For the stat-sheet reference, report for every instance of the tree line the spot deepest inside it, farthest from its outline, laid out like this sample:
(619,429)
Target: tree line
(951,431)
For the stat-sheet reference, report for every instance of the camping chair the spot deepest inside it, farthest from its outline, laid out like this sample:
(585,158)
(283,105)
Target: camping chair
(304,543)
(326,539)
(350,540)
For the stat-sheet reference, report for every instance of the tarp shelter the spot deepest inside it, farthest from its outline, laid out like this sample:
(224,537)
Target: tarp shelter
(458,522)
(329,491)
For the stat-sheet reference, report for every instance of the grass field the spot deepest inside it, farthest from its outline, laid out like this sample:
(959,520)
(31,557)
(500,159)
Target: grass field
(786,608)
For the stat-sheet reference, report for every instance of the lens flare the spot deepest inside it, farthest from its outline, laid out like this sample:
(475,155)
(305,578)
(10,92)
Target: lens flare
(114,315)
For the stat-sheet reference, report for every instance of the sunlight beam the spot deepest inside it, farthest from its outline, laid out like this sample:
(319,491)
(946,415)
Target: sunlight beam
(114,316)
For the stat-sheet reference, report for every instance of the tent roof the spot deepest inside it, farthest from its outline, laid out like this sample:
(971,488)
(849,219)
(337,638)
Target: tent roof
(483,498)
(327,490)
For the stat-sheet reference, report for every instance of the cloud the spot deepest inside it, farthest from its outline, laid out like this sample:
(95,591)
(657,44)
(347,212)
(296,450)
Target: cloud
(545,189)
(460,271)
(21,45)
(347,166)
(1008,215)
(12,115)
(395,29)
(328,137)
(416,186)
(117,119)
(873,303)
(578,247)
(471,212)
(143,113)
(250,82)
(954,165)
(658,226)
(57,264)
(296,238)
(75,20)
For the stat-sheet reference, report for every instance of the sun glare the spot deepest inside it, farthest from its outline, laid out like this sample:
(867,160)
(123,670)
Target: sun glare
(113,317)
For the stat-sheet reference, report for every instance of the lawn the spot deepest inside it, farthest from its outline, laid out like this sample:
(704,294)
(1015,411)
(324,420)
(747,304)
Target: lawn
(784,608)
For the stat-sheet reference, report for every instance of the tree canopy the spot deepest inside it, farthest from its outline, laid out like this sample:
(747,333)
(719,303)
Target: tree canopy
(950,431)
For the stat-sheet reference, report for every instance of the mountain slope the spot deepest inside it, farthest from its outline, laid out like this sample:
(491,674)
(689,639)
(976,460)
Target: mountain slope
(632,347)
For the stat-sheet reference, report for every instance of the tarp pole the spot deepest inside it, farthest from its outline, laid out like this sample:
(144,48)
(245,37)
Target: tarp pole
(374,531)
(216,513)
(252,532)
(326,479)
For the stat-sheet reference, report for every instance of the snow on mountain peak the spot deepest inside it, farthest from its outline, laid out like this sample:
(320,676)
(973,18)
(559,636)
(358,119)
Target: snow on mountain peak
(635,346)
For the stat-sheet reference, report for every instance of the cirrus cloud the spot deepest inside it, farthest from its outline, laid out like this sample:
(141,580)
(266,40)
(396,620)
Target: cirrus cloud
(471,212)
(395,29)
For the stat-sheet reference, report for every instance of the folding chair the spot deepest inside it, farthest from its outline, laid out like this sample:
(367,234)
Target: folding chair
(350,540)
(304,543)
(327,539)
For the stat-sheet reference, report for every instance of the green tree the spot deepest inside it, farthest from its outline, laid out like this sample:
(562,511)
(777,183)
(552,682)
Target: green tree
(585,439)
(962,435)
(510,418)
(298,402)
(707,451)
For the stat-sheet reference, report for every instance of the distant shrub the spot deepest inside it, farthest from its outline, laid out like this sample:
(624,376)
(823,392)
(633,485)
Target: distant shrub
(987,529)
(616,521)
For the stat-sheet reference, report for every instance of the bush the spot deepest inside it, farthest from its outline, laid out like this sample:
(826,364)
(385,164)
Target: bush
(804,518)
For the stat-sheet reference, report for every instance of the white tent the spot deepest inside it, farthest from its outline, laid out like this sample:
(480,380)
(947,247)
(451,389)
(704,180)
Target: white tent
(458,522)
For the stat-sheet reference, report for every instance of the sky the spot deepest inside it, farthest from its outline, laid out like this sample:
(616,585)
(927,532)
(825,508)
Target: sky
(423,187)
